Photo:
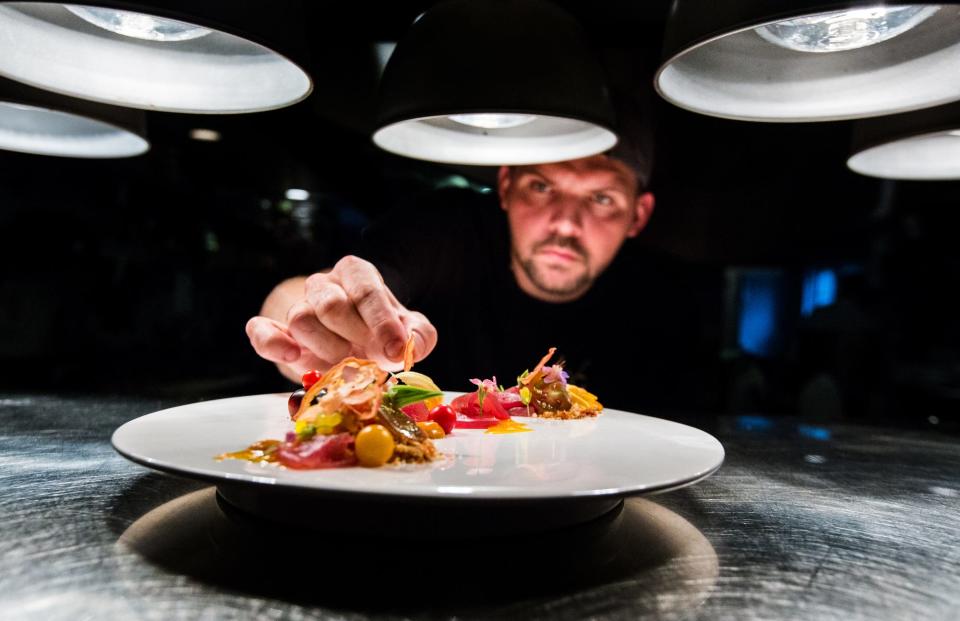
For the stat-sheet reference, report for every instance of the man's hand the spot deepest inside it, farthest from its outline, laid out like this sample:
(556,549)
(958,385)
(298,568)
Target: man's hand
(315,322)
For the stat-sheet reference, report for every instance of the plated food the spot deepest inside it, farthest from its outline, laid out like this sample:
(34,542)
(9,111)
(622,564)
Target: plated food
(358,414)
(543,392)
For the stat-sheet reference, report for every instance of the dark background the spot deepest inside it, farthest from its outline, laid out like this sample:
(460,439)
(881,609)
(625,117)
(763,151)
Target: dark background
(138,275)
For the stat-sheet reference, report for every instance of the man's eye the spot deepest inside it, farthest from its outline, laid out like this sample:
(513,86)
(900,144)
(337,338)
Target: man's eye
(603,199)
(539,186)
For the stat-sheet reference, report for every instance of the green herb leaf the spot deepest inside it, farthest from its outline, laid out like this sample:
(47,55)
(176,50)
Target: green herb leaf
(401,395)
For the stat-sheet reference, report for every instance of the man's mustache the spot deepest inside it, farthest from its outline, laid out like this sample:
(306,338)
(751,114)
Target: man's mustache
(568,243)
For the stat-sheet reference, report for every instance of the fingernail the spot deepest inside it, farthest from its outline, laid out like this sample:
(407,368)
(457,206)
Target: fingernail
(291,354)
(394,349)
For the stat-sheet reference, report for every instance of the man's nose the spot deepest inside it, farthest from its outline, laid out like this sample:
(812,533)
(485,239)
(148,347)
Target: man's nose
(567,217)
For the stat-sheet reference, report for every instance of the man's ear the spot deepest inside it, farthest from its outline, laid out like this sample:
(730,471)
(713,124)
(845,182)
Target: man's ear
(503,184)
(644,209)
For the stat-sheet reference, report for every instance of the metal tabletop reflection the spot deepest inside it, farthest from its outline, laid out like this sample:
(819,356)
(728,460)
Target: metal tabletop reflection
(802,521)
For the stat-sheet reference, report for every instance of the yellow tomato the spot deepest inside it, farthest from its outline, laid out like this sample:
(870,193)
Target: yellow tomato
(374,446)
(433,430)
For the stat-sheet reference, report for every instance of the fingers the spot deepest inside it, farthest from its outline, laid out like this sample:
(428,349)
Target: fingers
(375,305)
(271,340)
(310,332)
(334,309)
(424,334)
(348,311)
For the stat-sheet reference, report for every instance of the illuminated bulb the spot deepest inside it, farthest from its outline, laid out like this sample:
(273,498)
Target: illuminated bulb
(138,25)
(205,135)
(492,120)
(844,30)
(296,194)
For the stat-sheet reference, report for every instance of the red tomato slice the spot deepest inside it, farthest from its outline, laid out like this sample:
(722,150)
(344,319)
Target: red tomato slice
(510,398)
(466,405)
(493,407)
(417,411)
(334,451)
(476,423)
(469,405)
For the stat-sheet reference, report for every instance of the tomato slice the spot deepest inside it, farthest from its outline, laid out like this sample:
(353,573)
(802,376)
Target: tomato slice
(493,407)
(466,405)
(334,451)
(469,405)
(510,398)
(476,423)
(417,411)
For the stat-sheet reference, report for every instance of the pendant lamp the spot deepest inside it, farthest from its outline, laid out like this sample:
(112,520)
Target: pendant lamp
(922,145)
(204,57)
(44,123)
(496,82)
(758,60)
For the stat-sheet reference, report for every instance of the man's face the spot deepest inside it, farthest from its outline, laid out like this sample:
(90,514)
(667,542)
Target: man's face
(568,221)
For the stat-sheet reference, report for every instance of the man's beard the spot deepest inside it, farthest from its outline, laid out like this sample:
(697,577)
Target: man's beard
(541,281)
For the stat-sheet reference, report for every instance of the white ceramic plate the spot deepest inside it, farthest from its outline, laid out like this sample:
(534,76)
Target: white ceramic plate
(615,454)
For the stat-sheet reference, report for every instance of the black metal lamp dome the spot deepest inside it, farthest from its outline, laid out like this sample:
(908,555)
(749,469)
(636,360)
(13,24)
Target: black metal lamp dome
(922,145)
(175,56)
(494,82)
(809,60)
(44,123)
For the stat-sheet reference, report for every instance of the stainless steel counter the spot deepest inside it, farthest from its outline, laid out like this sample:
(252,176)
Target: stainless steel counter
(801,522)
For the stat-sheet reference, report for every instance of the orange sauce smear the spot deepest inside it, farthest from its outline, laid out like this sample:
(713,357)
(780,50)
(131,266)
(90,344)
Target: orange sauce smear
(508,426)
(264,451)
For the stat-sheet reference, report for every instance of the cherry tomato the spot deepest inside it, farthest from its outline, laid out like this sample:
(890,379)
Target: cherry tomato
(444,416)
(431,429)
(374,446)
(310,378)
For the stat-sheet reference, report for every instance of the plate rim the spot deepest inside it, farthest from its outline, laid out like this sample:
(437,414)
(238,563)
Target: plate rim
(272,483)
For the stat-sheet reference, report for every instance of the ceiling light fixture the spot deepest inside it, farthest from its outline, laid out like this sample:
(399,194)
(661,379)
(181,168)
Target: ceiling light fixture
(805,60)
(177,56)
(43,123)
(494,83)
(138,25)
(919,146)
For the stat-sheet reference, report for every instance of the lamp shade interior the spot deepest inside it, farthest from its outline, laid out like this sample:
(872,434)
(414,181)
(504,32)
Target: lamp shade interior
(540,139)
(42,131)
(142,61)
(924,157)
(501,82)
(746,74)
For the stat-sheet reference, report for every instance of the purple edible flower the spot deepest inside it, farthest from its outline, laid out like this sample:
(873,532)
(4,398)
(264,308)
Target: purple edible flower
(555,373)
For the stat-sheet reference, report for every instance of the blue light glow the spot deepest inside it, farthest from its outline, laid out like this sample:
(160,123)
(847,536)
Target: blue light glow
(817,433)
(759,301)
(754,423)
(819,289)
